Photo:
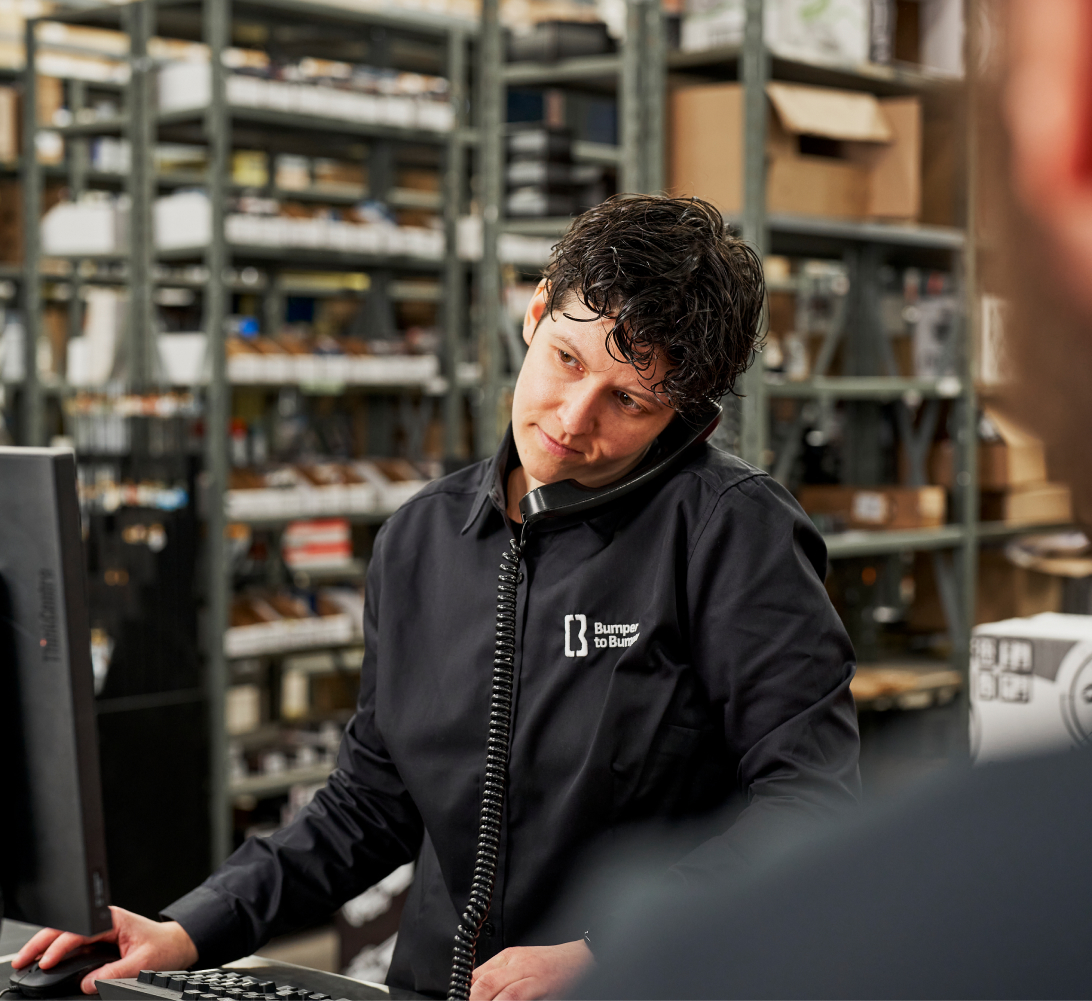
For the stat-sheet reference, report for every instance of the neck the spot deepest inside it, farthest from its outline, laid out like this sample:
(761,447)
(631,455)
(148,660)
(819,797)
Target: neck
(521,483)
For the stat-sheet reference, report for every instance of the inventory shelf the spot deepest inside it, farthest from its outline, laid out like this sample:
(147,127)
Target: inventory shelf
(279,782)
(117,124)
(303,256)
(882,388)
(878,79)
(842,545)
(280,521)
(853,231)
(357,643)
(582,69)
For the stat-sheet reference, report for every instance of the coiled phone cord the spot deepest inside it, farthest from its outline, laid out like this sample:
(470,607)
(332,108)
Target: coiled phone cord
(496,768)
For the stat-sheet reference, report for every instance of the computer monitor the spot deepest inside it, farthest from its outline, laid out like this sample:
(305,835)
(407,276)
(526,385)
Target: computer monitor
(52,838)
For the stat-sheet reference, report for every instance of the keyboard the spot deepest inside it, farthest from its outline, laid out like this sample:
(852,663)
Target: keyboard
(275,982)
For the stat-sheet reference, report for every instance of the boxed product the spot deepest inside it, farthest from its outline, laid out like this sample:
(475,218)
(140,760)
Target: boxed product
(1031,686)
(395,480)
(836,507)
(92,227)
(1031,504)
(1008,455)
(308,545)
(833,31)
(295,491)
(833,153)
(270,622)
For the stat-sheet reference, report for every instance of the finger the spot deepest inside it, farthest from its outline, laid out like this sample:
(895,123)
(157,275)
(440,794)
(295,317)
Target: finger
(521,990)
(496,962)
(117,970)
(35,947)
(486,986)
(61,947)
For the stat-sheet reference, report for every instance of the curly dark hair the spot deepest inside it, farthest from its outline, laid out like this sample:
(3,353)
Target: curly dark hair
(675,281)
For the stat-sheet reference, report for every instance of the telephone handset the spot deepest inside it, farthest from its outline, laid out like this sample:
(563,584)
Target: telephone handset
(567,497)
(554,500)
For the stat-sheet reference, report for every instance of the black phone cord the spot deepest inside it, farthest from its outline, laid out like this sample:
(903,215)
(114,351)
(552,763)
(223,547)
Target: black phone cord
(496,768)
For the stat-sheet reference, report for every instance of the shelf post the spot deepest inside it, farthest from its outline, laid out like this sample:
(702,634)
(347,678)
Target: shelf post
(33,416)
(632,168)
(755,72)
(216,15)
(454,279)
(966,268)
(141,337)
(491,153)
(654,86)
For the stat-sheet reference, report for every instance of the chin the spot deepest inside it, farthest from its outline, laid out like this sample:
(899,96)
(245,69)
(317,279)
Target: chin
(539,463)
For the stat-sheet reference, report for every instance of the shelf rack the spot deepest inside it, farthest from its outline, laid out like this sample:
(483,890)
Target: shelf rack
(864,247)
(636,74)
(220,126)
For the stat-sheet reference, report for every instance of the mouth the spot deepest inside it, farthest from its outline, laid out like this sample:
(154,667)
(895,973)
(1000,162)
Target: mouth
(555,447)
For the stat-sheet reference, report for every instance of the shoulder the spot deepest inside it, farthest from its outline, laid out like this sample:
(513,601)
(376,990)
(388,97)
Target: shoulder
(447,497)
(732,497)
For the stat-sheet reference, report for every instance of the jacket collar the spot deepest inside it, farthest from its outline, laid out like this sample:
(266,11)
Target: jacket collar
(493,489)
(494,477)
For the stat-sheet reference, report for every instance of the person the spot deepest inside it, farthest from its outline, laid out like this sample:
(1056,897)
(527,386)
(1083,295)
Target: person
(976,886)
(672,648)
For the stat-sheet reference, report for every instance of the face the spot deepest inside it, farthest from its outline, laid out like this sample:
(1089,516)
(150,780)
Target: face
(577,413)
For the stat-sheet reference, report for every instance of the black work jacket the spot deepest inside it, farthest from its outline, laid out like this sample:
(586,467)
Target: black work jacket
(673,648)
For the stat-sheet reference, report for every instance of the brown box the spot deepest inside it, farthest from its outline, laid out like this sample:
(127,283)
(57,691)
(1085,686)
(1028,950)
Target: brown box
(870,165)
(1018,459)
(877,507)
(1034,504)
(1004,591)
(9,124)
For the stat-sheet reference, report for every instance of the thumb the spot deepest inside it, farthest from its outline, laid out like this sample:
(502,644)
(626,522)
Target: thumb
(127,966)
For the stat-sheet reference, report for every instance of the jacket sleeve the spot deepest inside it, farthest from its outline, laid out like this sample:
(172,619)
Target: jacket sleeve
(773,653)
(359,827)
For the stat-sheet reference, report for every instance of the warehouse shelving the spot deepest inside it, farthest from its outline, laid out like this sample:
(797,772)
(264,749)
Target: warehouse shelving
(635,74)
(863,246)
(444,44)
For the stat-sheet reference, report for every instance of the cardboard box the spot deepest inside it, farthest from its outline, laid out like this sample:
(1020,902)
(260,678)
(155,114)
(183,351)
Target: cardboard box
(876,507)
(1004,591)
(1034,504)
(9,125)
(1010,457)
(1030,683)
(833,153)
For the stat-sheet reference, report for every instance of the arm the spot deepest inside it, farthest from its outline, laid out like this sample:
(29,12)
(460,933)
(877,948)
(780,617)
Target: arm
(773,652)
(358,828)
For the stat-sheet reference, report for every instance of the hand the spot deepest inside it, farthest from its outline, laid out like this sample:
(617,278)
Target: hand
(539,971)
(144,945)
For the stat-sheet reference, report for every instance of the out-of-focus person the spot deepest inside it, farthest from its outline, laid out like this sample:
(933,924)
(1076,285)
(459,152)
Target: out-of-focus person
(977,886)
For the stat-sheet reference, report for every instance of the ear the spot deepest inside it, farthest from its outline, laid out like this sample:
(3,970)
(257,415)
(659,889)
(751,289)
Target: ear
(535,308)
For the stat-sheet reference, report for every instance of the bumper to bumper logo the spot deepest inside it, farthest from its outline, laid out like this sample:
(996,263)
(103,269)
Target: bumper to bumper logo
(578,625)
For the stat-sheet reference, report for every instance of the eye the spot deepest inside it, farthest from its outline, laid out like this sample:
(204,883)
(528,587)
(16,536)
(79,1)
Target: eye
(566,358)
(628,402)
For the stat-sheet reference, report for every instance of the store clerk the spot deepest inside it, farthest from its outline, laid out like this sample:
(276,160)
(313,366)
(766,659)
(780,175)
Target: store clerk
(673,648)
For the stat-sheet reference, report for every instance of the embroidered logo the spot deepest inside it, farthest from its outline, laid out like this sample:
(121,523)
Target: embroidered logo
(616,634)
(582,622)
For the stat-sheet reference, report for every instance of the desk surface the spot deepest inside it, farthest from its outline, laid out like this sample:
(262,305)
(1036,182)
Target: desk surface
(14,935)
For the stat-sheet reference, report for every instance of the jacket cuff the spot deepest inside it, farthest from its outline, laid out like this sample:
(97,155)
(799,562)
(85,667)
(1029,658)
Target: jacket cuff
(210,921)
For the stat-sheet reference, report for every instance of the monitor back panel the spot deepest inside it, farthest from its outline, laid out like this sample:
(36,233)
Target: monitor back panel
(52,844)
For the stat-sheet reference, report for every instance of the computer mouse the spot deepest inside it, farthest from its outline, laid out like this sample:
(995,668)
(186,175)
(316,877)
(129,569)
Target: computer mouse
(63,980)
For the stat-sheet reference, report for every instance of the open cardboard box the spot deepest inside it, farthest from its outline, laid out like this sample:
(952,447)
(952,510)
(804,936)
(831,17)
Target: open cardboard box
(835,153)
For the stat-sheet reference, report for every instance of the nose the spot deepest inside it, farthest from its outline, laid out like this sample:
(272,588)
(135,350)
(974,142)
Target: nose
(577,412)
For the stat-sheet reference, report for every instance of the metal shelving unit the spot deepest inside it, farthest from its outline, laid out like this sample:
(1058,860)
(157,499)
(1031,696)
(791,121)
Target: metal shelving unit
(220,127)
(864,247)
(636,75)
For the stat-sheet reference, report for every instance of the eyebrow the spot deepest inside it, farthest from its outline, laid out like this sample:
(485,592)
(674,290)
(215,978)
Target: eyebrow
(641,394)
